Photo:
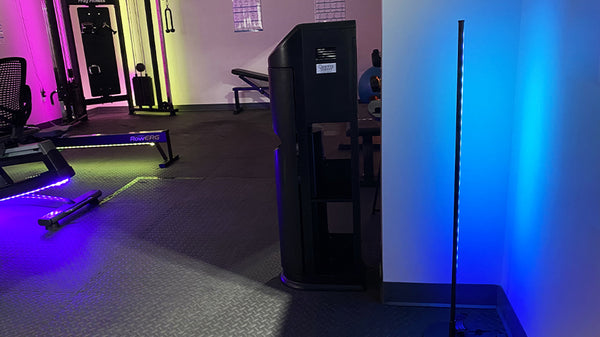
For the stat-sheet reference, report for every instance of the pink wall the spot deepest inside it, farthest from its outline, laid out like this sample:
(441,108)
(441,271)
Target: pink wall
(205,48)
(25,35)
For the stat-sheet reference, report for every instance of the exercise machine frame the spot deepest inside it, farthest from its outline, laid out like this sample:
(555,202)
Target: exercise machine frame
(68,77)
(149,138)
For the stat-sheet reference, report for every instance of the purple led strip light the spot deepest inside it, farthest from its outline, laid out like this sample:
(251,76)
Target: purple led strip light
(62,182)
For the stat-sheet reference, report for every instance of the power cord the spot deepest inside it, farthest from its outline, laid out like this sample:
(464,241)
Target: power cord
(35,70)
(462,331)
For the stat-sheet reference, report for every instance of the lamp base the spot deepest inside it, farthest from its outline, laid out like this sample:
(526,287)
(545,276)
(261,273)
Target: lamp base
(442,329)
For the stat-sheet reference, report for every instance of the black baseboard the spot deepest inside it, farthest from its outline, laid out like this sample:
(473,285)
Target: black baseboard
(467,296)
(222,107)
(193,107)
(438,295)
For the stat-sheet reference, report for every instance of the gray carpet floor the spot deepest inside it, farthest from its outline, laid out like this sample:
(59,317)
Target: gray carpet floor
(188,250)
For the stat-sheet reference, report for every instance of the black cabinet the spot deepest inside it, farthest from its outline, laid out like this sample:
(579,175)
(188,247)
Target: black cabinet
(312,75)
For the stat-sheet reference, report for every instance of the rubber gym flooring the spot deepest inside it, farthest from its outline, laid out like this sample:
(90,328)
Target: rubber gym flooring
(188,250)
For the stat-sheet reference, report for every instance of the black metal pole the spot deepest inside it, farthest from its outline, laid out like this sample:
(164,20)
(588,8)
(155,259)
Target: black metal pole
(68,81)
(153,55)
(163,50)
(60,73)
(123,50)
(458,141)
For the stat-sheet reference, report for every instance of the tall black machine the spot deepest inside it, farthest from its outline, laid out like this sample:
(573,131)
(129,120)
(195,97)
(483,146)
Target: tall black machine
(312,76)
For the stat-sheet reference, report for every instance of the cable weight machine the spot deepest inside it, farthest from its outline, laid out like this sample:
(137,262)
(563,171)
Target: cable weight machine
(68,82)
(91,33)
(142,83)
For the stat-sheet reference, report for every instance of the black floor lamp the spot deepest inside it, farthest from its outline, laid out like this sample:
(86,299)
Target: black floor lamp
(458,143)
(454,327)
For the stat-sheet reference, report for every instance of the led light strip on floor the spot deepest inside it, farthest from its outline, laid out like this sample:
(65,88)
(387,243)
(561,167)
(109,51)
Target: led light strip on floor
(59,183)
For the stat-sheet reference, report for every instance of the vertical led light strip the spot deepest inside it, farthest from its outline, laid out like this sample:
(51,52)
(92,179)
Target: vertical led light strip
(457,152)
(60,21)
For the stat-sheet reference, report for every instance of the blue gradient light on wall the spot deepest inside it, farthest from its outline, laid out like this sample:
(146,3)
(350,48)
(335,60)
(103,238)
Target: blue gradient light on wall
(535,126)
(536,106)
(534,145)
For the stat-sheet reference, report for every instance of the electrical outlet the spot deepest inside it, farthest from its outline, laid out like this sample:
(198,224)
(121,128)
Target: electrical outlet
(2,38)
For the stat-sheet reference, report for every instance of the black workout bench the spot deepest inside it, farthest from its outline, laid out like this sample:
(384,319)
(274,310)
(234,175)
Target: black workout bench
(248,77)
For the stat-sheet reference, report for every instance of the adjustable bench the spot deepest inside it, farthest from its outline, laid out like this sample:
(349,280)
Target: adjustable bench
(250,77)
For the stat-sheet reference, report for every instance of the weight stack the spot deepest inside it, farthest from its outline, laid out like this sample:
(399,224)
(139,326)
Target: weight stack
(143,91)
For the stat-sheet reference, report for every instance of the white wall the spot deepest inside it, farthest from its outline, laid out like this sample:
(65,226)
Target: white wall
(553,273)
(419,100)
(25,36)
(205,48)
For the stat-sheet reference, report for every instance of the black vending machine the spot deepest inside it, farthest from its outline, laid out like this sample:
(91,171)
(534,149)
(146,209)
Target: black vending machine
(312,78)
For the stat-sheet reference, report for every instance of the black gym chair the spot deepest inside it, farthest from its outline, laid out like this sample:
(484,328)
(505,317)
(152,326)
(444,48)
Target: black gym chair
(15,109)
(15,101)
